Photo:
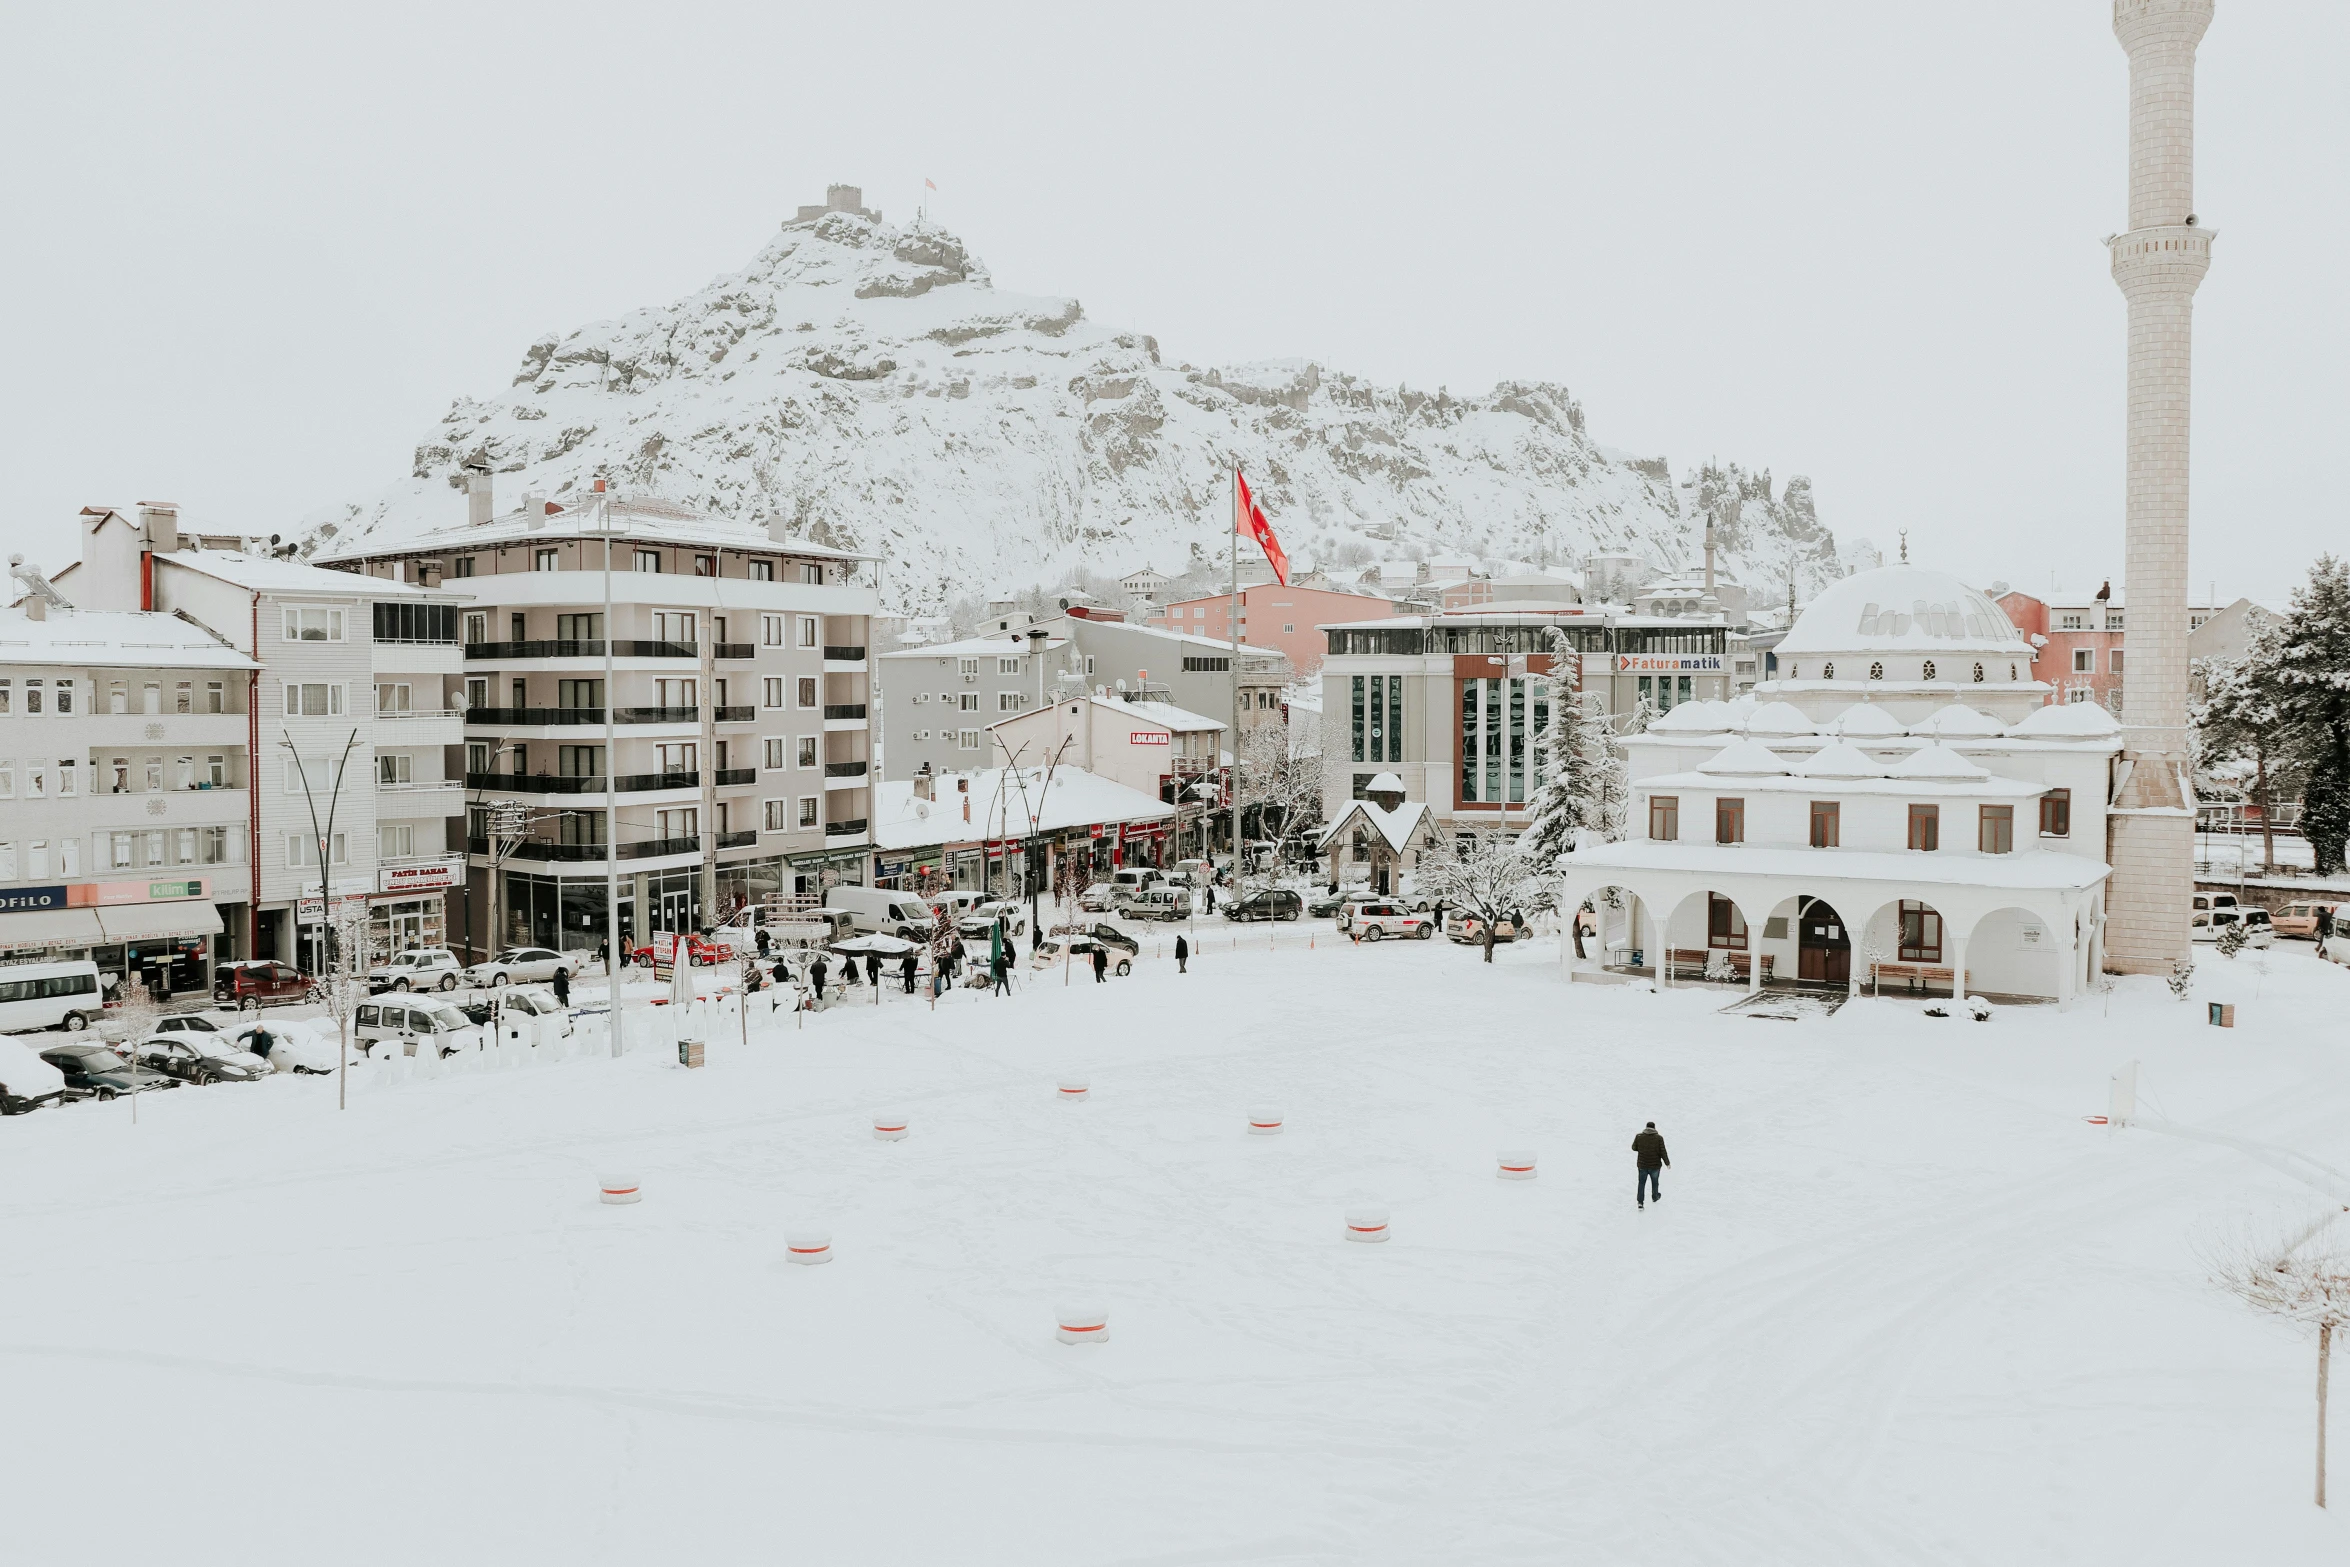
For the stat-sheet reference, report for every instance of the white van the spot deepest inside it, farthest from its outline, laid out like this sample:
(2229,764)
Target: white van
(881,912)
(49,995)
(1135,877)
(400,1025)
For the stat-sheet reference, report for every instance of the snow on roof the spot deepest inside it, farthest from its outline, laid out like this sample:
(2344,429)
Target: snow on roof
(1958,721)
(2067,721)
(1001,803)
(1901,609)
(1935,761)
(2047,870)
(1744,759)
(1703,716)
(1395,827)
(1780,718)
(644,517)
(1166,714)
(1867,720)
(113,639)
(268,574)
(1004,644)
(1840,760)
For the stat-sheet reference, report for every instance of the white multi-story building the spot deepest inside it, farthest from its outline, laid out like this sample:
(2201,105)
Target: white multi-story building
(352,722)
(739,750)
(125,819)
(939,700)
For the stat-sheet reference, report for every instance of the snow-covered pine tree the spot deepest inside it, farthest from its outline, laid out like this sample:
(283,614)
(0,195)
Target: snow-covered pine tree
(1555,808)
(2313,695)
(1606,786)
(2241,722)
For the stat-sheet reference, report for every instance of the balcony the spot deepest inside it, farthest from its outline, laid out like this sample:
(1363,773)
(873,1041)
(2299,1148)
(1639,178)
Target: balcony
(582,649)
(731,777)
(734,650)
(541,783)
(540,717)
(735,715)
(840,710)
(425,787)
(845,769)
(847,655)
(540,849)
(651,847)
(659,715)
(417,714)
(847,829)
(737,840)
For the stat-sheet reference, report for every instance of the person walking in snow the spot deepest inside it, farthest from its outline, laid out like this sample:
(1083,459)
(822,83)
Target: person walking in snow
(562,986)
(1000,971)
(1182,954)
(1101,964)
(907,970)
(1649,1149)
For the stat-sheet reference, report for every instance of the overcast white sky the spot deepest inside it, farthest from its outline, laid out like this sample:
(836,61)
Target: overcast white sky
(252,252)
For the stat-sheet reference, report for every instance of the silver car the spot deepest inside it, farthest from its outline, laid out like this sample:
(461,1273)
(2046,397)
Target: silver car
(522,966)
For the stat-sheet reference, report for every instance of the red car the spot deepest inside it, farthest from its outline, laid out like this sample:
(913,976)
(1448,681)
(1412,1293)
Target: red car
(698,953)
(259,982)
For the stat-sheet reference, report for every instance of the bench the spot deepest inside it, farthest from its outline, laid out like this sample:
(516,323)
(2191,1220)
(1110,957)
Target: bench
(1692,960)
(1919,975)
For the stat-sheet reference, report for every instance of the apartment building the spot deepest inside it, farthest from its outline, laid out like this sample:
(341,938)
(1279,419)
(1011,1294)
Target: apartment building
(352,722)
(2082,657)
(1287,620)
(937,701)
(1194,673)
(729,759)
(1149,748)
(125,814)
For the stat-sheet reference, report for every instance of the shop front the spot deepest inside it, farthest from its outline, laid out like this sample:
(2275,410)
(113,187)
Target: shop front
(912,872)
(410,906)
(811,874)
(567,916)
(748,882)
(160,933)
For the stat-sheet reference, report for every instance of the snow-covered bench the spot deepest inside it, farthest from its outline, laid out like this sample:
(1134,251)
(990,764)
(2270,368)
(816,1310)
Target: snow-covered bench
(1919,975)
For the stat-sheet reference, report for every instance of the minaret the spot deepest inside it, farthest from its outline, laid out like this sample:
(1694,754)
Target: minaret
(2150,838)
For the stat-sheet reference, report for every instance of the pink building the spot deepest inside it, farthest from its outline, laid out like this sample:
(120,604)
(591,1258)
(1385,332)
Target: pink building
(1272,616)
(2083,659)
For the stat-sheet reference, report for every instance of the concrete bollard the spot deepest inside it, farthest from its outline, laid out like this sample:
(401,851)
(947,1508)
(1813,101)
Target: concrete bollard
(1083,1325)
(1366,1224)
(620,1188)
(1515,1166)
(1074,1089)
(890,1126)
(1264,1121)
(807,1246)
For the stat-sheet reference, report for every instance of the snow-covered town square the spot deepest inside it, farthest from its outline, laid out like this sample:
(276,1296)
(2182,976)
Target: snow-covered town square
(1073,786)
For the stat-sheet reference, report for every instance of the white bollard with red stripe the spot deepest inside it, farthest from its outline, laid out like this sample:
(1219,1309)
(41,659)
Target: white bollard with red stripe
(1516,1165)
(620,1188)
(1366,1224)
(1083,1325)
(807,1246)
(889,1126)
(1075,1088)
(1264,1121)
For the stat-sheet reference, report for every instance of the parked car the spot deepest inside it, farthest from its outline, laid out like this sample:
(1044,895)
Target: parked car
(27,1081)
(879,911)
(1098,898)
(1378,921)
(2300,919)
(1350,901)
(1112,937)
(530,1002)
(186,1023)
(1270,903)
(1322,905)
(2206,925)
(419,968)
(183,1056)
(979,918)
(403,1025)
(2207,901)
(522,966)
(306,1045)
(49,995)
(700,951)
(1469,929)
(261,982)
(1161,901)
(1053,950)
(99,1071)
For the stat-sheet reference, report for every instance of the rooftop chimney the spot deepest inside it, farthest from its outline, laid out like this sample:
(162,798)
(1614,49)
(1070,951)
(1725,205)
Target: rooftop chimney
(925,783)
(478,505)
(159,525)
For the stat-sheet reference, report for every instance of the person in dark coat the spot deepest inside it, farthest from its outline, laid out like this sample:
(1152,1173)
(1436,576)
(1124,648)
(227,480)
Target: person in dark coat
(261,1041)
(873,969)
(1101,964)
(762,941)
(1000,971)
(1211,897)
(1182,954)
(562,987)
(1649,1149)
(2325,921)
(816,976)
(907,969)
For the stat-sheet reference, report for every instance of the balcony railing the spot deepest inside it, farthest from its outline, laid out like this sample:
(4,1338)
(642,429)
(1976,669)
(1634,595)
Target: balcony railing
(844,829)
(581,648)
(727,777)
(540,849)
(736,715)
(844,769)
(737,840)
(542,783)
(734,650)
(849,655)
(659,715)
(495,717)
(653,846)
(417,786)
(420,712)
(834,710)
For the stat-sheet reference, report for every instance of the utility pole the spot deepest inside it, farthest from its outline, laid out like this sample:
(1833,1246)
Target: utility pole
(618,948)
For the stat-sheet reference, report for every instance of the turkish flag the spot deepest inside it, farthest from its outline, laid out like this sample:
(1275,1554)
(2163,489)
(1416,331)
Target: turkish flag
(1251,522)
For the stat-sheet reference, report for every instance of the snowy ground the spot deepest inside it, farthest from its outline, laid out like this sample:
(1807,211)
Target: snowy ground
(1901,1304)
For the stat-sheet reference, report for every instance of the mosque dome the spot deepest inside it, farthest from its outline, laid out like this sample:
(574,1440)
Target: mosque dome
(1904,610)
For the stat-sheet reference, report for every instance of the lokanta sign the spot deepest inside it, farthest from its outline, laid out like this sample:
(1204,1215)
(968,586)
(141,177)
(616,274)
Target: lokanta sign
(1147,737)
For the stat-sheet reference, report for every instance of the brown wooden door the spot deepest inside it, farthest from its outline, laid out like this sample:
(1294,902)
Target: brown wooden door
(1823,947)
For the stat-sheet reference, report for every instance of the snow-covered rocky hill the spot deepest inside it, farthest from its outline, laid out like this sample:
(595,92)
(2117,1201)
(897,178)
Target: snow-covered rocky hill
(866,384)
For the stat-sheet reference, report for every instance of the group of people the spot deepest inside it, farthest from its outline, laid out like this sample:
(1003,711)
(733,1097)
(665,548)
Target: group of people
(949,962)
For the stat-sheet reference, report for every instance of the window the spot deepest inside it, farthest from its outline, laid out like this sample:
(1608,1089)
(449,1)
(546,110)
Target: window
(684,822)
(68,783)
(216,771)
(1929,669)
(32,696)
(648,560)
(213,845)
(1725,927)
(674,693)
(578,694)
(320,771)
(2113,620)
(774,690)
(542,560)
(69,857)
(6,695)
(1664,817)
(682,756)
(154,776)
(810,805)
(183,775)
(7,780)
(705,565)
(36,782)
(462,566)
(1729,821)
(967,740)
(477,629)
(1008,701)
(301,849)
(1007,666)
(395,770)
(394,696)
(579,628)
(680,628)
(1996,835)
(965,666)
(118,851)
(812,574)
(1206,664)
(1378,718)
(807,751)
(807,691)
(777,816)
(183,698)
(762,571)
(313,625)
(2071,623)
(1876,671)
(2113,661)
(1925,827)
(1921,933)
(395,840)
(970,702)
(1825,824)
(313,701)
(120,770)
(2056,814)
(771,630)
(2084,660)
(1978,674)
(808,639)
(772,749)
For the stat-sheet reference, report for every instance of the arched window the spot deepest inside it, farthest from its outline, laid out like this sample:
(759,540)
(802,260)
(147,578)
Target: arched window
(1929,669)
(1795,671)
(1876,671)
(2011,671)
(1829,673)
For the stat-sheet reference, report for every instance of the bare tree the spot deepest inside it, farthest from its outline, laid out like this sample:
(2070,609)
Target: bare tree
(2305,1283)
(1487,878)
(343,985)
(1283,788)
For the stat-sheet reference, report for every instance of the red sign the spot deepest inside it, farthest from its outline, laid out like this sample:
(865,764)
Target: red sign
(1147,737)
(1095,830)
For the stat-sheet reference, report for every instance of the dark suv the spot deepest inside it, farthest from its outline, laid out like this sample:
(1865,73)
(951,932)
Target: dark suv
(259,982)
(1274,903)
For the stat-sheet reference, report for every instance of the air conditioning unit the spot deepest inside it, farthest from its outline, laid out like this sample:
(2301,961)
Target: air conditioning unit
(971,680)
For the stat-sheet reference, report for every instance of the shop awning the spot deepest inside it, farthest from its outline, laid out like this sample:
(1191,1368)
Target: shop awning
(158,921)
(50,928)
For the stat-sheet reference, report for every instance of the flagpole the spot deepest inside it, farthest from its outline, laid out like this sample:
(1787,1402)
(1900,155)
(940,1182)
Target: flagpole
(1232,625)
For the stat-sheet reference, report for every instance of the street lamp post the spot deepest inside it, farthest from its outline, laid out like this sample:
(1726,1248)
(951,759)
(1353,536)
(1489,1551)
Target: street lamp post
(325,843)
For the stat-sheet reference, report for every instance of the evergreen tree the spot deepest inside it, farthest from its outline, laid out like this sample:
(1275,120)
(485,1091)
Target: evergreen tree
(2313,698)
(2241,722)
(1555,808)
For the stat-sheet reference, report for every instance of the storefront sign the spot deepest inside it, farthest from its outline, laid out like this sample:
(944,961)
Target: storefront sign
(118,892)
(19,899)
(420,878)
(1147,737)
(1670,664)
(1095,830)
